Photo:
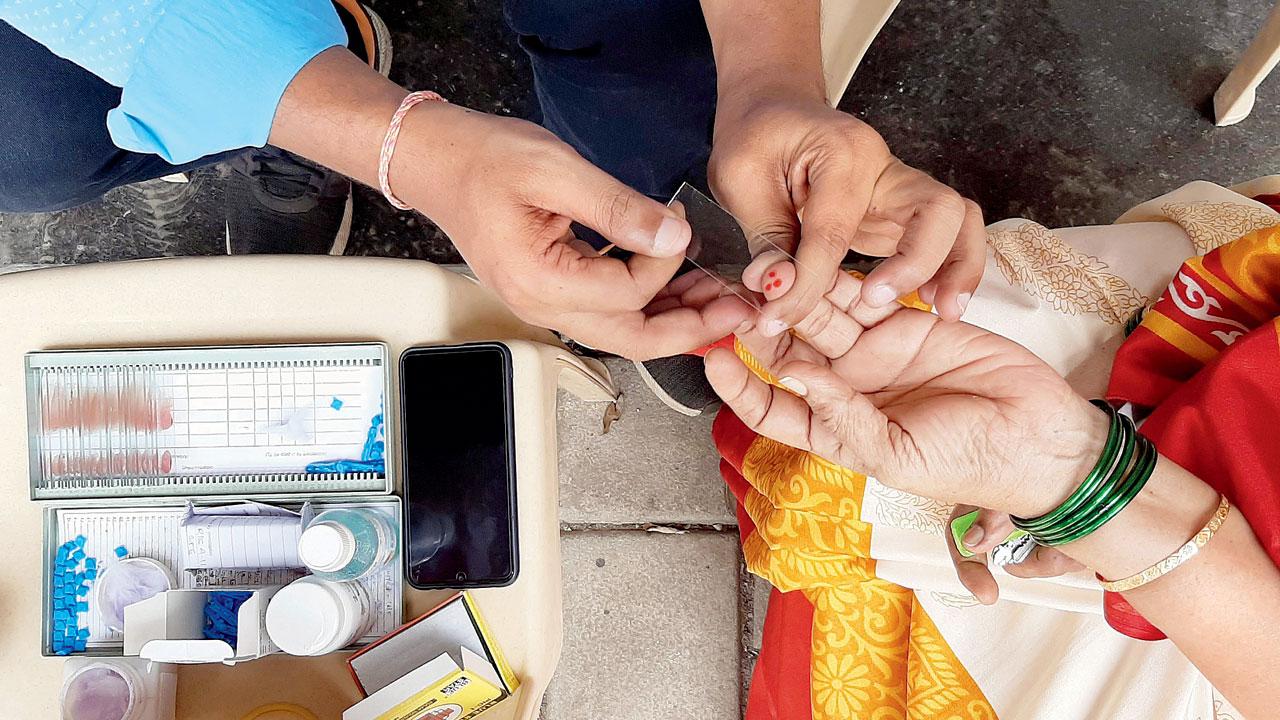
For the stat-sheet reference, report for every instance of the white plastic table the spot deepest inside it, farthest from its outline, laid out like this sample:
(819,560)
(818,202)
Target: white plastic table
(282,299)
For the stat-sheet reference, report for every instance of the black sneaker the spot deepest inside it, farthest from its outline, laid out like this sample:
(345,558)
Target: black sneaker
(680,383)
(277,202)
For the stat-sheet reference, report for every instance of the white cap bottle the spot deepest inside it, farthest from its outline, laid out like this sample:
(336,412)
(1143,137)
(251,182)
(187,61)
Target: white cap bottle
(311,616)
(327,547)
(347,543)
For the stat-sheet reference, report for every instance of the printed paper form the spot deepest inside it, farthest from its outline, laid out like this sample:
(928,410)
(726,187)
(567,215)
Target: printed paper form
(156,533)
(249,535)
(268,420)
(212,420)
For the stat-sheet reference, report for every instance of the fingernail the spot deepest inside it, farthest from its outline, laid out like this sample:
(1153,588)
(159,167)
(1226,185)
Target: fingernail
(880,295)
(963,301)
(672,237)
(974,536)
(794,386)
(744,328)
(773,328)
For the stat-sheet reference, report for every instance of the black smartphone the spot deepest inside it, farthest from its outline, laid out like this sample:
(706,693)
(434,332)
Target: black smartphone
(459,479)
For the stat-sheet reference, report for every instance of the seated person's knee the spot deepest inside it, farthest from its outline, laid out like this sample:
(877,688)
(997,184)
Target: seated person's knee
(25,191)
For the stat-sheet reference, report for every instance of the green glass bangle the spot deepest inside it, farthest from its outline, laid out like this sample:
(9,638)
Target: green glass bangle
(1115,476)
(1134,482)
(1141,474)
(1117,481)
(1101,471)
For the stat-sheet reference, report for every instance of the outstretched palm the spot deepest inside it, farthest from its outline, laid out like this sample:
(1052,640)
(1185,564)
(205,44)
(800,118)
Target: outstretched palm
(946,410)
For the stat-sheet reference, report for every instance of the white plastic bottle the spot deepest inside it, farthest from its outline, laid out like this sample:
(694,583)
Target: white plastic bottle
(312,616)
(347,544)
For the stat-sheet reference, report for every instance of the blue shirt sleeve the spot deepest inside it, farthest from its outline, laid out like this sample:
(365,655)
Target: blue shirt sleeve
(197,76)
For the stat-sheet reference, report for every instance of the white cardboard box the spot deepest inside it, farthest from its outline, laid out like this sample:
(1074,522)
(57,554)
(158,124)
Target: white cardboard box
(441,689)
(443,665)
(170,628)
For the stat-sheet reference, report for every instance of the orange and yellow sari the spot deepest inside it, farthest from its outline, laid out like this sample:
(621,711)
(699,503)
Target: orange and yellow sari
(866,619)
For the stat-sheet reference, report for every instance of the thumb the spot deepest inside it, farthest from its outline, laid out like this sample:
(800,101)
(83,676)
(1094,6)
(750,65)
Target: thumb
(859,431)
(972,571)
(589,195)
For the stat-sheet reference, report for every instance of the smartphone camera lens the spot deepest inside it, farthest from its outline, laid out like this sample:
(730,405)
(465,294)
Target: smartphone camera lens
(460,577)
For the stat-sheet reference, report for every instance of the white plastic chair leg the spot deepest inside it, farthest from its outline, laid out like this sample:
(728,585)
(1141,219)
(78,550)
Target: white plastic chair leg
(848,27)
(1235,96)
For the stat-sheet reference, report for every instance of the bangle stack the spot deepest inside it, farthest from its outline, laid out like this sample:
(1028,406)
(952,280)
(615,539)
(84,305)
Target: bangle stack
(1126,464)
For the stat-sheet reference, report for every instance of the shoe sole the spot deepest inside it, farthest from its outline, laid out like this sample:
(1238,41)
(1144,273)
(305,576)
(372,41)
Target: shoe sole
(384,52)
(663,395)
(339,246)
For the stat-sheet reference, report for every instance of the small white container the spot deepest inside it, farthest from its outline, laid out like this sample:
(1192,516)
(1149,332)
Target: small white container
(129,581)
(311,616)
(117,689)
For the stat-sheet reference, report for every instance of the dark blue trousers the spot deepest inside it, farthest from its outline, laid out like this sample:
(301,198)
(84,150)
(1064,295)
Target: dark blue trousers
(629,83)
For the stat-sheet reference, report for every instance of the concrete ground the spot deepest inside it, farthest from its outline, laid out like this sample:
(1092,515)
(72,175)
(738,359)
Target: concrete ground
(657,605)
(1063,111)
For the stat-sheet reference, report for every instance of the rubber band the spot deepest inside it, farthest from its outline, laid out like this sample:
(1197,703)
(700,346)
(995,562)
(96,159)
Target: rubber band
(389,143)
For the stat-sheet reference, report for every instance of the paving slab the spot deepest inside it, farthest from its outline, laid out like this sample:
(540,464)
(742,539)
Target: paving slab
(760,590)
(652,627)
(654,465)
(755,603)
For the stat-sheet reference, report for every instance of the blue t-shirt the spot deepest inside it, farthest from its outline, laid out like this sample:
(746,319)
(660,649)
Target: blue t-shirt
(197,76)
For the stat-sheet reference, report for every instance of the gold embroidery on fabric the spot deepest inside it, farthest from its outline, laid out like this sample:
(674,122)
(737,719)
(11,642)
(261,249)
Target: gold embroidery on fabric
(904,510)
(1222,710)
(940,687)
(875,652)
(841,687)
(788,570)
(954,600)
(807,517)
(860,648)
(1031,257)
(1213,224)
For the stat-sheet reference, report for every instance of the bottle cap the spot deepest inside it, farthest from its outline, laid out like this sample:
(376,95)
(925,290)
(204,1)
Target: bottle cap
(303,617)
(326,546)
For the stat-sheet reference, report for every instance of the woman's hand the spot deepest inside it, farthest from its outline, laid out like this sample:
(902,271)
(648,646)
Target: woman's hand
(782,157)
(945,410)
(988,531)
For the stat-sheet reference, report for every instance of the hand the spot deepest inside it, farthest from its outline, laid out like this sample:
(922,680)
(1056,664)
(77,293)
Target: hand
(776,160)
(506,191)
(990,529)
(945,410)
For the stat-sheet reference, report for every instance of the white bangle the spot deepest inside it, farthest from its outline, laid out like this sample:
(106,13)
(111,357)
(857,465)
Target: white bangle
(1180,556)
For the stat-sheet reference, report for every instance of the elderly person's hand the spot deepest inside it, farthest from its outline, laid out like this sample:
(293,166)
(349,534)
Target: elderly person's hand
(945,410)
(988,531)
